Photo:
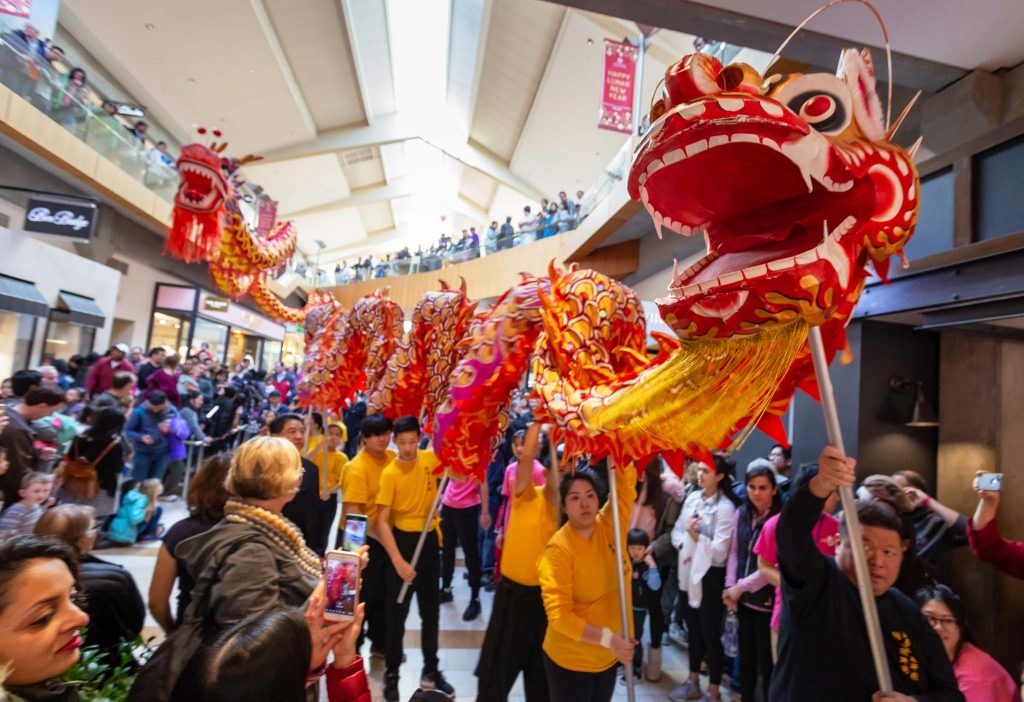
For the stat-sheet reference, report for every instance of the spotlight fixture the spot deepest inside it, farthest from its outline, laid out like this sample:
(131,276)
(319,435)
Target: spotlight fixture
(923,414)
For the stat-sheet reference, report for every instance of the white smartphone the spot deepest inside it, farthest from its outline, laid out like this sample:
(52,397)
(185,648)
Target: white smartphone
(341,585)
(990,482)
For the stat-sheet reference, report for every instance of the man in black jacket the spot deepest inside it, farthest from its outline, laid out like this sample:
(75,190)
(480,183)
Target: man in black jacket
(307,511)
(823,645)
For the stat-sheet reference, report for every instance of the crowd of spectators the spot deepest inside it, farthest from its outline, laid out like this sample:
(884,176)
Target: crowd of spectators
(547,220)
(37,69)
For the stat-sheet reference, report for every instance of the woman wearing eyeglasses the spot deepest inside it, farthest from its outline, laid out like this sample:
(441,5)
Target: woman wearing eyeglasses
(979,677)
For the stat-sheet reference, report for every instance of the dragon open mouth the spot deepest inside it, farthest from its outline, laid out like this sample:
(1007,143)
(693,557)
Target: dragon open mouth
(202,187)
(768,193)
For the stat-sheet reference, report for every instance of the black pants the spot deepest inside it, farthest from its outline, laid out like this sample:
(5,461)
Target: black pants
(573,686)
(657,629)
(461,526)
(755,646)
(705,625)
(515,634)
(371,592)
(426,590)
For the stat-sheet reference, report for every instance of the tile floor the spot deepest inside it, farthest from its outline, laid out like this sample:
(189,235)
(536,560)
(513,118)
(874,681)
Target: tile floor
(460,641)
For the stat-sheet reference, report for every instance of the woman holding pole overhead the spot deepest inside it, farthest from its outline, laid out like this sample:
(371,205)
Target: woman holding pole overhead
(578,580)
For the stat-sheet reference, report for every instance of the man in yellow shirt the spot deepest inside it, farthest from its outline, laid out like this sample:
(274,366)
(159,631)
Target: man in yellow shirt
(336,460)
(515,632)
(359,484)
(407,490)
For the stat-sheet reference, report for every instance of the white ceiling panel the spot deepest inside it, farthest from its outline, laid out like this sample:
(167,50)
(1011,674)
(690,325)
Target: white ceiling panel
(336,228)
(300,183)
(313,37)
(477,187)
(203,62)
(964,34)
(519,42)
(363,167)
(467,38)
(376,216)
(509,203)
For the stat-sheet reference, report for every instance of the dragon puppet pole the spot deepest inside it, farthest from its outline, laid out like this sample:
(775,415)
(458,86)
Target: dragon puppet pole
(849,501)
(426,530)
(613,497)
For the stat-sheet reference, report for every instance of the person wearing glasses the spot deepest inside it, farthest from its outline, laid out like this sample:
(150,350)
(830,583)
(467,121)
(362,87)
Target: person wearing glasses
(979,676)
(111,598)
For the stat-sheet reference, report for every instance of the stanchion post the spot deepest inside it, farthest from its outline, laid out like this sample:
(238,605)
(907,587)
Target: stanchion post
(613,495)
(849,502)
(423,534)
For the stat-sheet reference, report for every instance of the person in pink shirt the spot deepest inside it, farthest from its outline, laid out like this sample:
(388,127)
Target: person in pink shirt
(464,510)
(826,536)
(507,484)
(978,675)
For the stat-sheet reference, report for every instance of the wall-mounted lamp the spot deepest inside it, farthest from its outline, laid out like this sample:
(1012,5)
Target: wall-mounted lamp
(923,414)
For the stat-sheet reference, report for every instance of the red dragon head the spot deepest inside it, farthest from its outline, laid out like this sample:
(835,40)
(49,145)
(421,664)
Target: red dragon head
(202,186)
(793,182)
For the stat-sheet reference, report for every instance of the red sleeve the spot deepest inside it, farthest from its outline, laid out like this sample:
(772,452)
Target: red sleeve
(348,684)
(988,545)
(92,378)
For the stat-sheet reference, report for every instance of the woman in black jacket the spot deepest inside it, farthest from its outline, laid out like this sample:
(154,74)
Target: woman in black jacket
(102,440)
(111,598)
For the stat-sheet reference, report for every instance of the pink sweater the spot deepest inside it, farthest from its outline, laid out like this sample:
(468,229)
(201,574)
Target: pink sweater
(981,678)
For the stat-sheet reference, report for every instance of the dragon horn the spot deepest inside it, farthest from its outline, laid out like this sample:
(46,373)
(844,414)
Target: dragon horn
(249,158)
(903,115)
(220,149)
(462,286)
(444,284)
(912,151)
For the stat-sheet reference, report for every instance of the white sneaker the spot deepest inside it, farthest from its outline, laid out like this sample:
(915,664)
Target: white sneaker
(677,634)
(689,690)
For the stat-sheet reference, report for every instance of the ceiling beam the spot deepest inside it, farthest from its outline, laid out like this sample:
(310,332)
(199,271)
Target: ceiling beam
(396,187)
(814,48)
(478,70)
(346,11)
(386,130)
(263,19)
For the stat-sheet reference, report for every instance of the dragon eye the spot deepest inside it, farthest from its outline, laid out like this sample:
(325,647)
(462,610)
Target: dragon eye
(821,100)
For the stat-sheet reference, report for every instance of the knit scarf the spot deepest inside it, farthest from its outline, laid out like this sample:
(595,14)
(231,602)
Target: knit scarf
(279,530)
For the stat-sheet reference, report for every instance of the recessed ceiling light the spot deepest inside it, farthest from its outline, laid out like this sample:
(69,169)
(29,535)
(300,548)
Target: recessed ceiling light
(190,80)
(150,26)
(590,42)
(252,71)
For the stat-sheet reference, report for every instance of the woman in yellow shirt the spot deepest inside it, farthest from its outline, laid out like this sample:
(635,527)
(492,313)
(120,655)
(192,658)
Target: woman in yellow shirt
(336,460)
(578,580)
(518,623)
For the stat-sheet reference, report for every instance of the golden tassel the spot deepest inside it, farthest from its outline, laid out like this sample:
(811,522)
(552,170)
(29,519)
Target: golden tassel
(696,398)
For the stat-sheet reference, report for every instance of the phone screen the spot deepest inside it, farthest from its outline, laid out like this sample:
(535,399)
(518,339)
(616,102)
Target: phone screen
(342,585)
(991,482)
(355,532)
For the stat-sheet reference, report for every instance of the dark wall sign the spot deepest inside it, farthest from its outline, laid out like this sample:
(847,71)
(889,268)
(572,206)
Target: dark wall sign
(215,304)
(49,214)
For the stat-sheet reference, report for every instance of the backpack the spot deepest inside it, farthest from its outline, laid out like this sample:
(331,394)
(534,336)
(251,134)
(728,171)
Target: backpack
(80,477)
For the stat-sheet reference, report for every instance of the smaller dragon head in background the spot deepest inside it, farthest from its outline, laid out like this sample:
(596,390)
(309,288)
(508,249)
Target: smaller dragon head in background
(793,182)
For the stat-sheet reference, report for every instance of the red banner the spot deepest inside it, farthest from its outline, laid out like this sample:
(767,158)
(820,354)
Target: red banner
(267,216)
(617,87)
(18,8)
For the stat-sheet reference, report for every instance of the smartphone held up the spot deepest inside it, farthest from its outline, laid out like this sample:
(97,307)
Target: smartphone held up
(990,482)
(341,585)
(354,537)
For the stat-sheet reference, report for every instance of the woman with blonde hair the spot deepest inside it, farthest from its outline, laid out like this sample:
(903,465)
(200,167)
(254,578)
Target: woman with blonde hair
(253,561)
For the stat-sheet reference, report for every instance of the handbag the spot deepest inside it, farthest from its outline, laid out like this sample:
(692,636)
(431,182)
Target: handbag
(80,477)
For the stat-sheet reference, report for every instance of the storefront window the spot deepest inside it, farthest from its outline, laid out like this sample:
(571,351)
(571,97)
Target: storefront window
(271,355)
(293,348)
(214,335)
(170,331)
(64,339)
(243,345)
(16,332)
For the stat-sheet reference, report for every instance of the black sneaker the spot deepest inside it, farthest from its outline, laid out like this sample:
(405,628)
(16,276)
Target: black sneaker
(446,595)
(436,681)
(489,586)
(472,611)
(391,687)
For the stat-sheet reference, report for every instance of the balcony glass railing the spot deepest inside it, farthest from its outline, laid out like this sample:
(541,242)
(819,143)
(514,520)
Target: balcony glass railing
(79,109)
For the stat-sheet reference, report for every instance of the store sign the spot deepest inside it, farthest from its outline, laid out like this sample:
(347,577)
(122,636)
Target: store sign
(267,216)
(49,214)
(18,8)
(617,87)
(216,304)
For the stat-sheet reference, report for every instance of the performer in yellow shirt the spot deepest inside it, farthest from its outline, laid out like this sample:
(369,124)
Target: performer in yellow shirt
(360,481)
(518,623)
(581,596)
(336,460)
(408,487)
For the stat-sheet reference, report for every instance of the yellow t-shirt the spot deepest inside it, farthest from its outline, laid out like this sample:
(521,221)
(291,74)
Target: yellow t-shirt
(409,489)
(360,481)
(336,461)
(578,585)
(531,525)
